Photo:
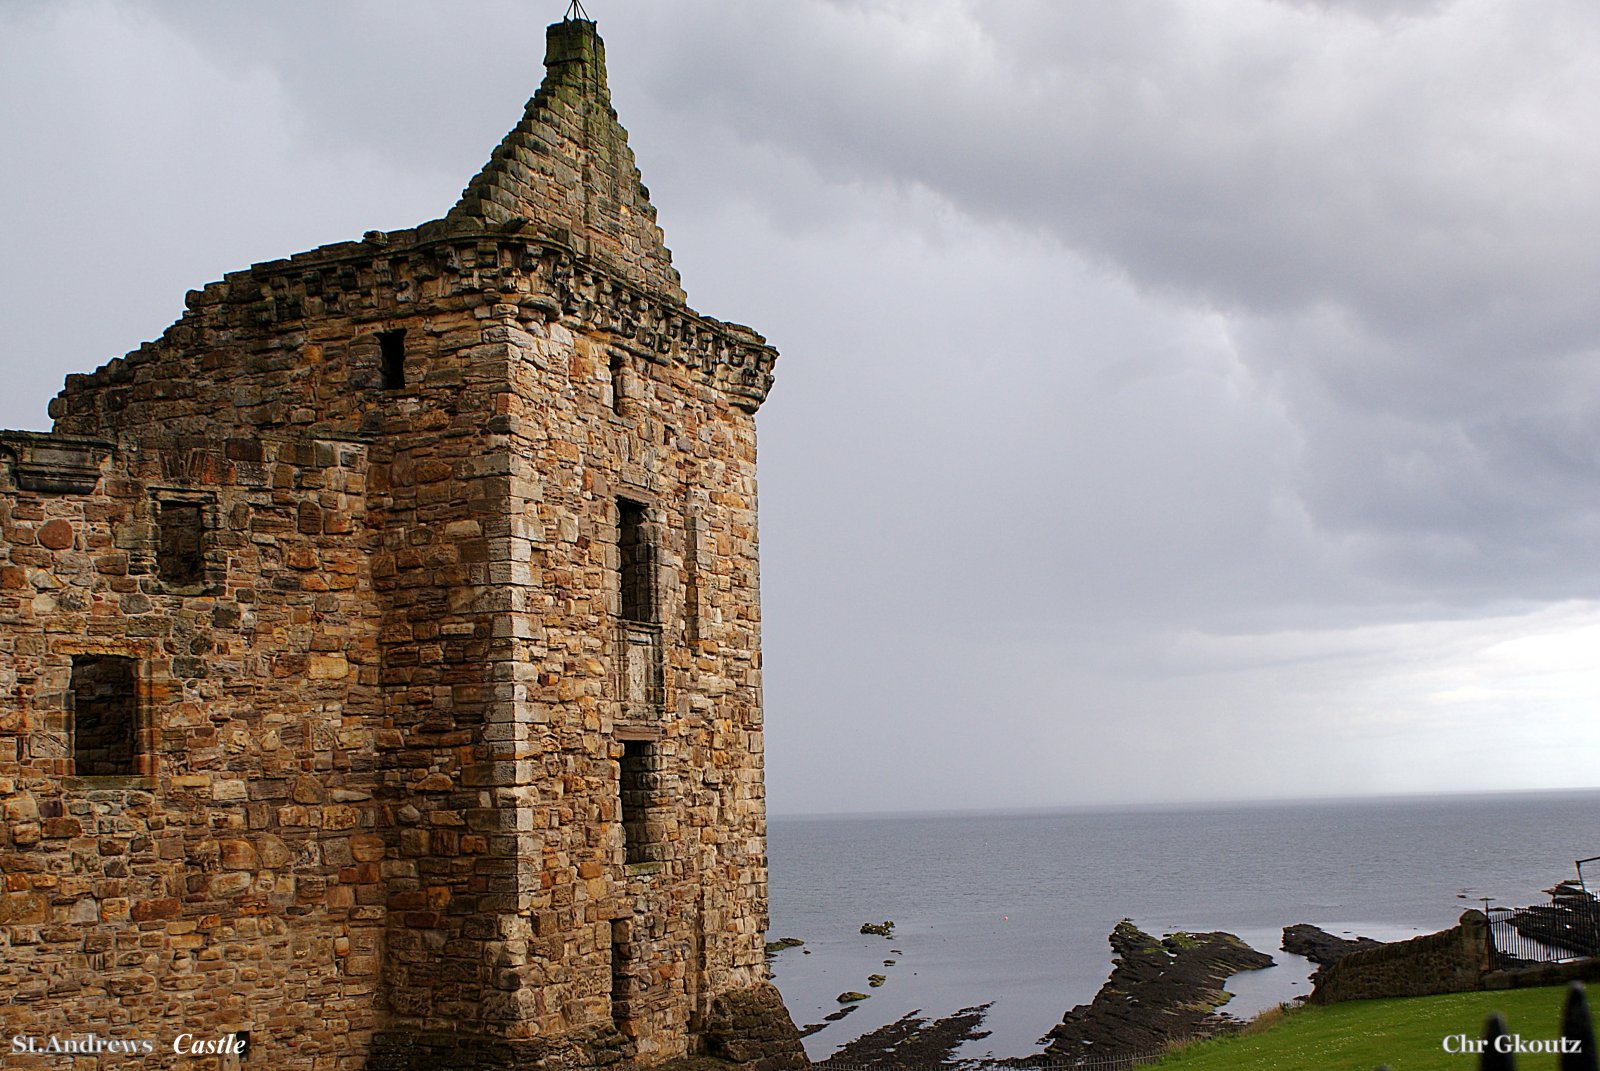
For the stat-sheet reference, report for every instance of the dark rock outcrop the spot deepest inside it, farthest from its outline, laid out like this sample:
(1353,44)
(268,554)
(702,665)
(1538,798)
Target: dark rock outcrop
(914,1042)
(774,947)
(1160,992)
(1320,946)
(752,1028)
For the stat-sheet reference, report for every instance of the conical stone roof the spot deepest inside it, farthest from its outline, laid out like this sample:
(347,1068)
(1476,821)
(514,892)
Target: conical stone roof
(567,172)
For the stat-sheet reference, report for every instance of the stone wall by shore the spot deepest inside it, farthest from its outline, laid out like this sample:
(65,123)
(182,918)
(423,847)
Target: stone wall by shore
(1451,961)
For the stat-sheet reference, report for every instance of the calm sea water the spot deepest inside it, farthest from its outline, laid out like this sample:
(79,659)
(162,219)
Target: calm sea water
(1014,909)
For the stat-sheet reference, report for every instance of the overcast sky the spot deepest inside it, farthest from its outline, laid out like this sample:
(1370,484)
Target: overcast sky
(1179,400)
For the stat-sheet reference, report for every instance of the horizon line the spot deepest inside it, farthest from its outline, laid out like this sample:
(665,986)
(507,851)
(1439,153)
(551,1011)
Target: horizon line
(1197,804)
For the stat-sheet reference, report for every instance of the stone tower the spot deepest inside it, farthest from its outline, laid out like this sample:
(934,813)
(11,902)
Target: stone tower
(380,650)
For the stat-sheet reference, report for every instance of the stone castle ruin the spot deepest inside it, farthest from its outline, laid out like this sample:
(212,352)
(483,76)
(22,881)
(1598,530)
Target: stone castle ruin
(380,673)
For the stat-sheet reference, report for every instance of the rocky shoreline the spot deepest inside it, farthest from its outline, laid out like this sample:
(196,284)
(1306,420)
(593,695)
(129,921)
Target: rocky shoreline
(1161,990)
(1165,990)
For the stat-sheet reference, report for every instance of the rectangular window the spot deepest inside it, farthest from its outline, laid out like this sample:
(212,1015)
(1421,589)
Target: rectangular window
(639,655)
(180,553)
(637,783)
(618,386)
(621,979)
(636,565)
(694,565)
(392,358)
(105,716)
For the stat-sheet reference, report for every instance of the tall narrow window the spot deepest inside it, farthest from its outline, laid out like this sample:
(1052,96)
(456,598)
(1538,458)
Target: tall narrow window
(636,784)
(639,660)
(621,979)
(636,564)
(392,358)
(104,716)
(694,568)
(618,392)
(180,552)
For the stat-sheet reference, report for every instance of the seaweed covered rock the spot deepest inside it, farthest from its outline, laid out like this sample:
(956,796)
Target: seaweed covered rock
(774,947)
(1160,991)
(914,1042)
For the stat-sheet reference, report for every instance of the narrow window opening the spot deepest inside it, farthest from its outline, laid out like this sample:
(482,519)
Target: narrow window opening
(104,716)
(617,371)
(694,533)
(180,553)
(640,668)
(636,565)
(392,358)
(636,785)
(621,985)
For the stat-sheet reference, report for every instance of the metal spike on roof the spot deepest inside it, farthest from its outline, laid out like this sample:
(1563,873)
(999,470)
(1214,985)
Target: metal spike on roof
(575,11)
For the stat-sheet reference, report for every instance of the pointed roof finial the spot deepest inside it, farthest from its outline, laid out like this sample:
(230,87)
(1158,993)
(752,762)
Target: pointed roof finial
(575,11)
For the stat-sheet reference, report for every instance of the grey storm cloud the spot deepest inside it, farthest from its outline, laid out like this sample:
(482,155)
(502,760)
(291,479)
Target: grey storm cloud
(1393,212)
(1199,381)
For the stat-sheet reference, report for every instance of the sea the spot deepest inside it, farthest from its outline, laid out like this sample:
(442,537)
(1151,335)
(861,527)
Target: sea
(1013,909)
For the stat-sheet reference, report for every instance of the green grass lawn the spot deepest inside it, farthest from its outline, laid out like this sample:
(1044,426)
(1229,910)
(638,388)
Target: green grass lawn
(1359,1035)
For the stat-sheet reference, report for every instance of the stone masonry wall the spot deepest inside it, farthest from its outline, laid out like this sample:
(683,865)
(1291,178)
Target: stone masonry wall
(234,880)
(490,502)
(1451,961)
(597,425)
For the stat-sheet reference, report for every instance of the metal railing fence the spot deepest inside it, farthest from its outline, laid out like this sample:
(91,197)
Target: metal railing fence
(1568,927)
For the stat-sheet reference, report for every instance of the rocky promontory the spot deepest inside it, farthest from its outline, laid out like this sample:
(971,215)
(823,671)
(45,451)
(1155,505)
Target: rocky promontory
(1320,946)
(1160,991)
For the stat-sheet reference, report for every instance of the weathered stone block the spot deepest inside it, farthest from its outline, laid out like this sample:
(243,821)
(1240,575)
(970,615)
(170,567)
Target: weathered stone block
(328,667)
(23,909)
(56,535)
(153,910)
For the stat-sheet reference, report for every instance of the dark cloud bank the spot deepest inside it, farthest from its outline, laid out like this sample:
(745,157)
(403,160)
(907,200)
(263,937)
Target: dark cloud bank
(1170,390)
